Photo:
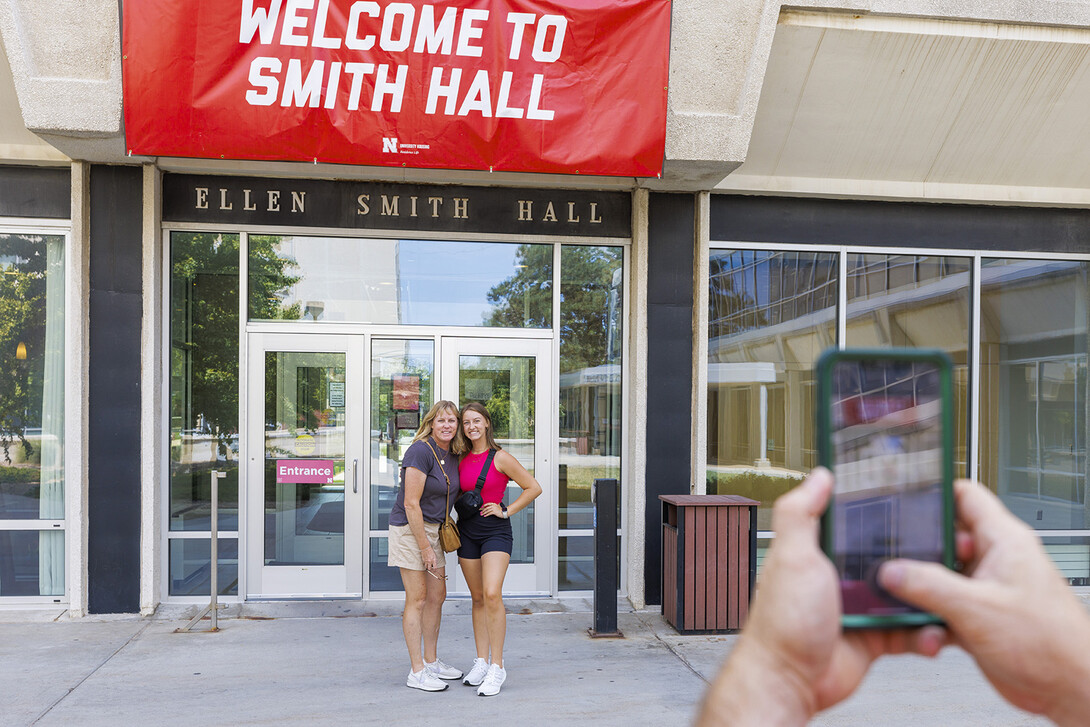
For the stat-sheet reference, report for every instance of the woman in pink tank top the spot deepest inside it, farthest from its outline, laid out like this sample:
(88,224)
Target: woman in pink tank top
(487,540)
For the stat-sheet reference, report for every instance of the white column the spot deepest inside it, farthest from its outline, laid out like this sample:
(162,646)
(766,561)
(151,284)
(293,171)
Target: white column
(75,391)
(636,411)
(698,464)
(152,469)
(763,461)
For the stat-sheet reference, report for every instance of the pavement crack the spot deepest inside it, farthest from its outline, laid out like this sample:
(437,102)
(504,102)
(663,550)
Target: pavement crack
(91,673)
(669,647)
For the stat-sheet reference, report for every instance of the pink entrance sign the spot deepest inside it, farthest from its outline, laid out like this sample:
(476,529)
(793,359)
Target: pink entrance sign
(304,471)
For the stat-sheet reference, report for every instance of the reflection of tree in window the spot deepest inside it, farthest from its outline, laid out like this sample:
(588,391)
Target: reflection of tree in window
(525,300)
(22,338)
(204,329)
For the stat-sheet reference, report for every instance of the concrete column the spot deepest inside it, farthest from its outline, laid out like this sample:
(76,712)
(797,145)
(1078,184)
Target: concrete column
(152,470)
(701,243)
(76,377)
(635,485)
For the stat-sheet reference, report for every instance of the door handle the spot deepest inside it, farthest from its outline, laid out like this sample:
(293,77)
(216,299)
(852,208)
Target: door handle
(355,478)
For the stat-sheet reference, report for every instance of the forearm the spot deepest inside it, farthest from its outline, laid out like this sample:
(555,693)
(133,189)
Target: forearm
(1072,669)
(522,501)
(751,690)
(415,516)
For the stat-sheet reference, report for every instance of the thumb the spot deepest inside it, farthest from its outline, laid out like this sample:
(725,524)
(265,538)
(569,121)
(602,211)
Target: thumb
(930,586)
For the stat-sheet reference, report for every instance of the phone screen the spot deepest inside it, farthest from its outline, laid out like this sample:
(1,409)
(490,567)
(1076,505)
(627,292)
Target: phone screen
(886,435)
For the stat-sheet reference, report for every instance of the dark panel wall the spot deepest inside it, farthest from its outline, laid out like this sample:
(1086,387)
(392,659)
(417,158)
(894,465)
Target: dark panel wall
(671,230)
(898,224)
(36,192)
(113,456)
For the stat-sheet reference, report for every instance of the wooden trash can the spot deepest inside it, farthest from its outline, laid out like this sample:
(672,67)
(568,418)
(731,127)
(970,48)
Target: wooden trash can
(709,561)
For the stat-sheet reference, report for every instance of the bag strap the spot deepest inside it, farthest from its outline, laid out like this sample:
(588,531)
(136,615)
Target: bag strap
(484,470)
(443,470)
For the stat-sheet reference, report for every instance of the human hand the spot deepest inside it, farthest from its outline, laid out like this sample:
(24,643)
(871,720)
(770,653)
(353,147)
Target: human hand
(1011,610)
(428,555)
(793,659)
(493,509)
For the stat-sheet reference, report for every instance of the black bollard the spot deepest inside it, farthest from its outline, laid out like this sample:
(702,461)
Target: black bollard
(604,496)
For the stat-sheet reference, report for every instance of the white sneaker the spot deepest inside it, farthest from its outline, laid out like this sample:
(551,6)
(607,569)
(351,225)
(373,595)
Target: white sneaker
(425,680)
(493,680)
(476,673)
(443,671)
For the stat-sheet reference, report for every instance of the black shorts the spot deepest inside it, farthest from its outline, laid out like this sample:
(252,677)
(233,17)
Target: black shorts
(482,535)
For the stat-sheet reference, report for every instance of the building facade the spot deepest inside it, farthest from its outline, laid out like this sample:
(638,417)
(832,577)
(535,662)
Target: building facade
(879,173)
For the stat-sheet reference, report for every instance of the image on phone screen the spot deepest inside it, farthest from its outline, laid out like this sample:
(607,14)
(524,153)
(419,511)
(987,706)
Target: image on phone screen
(887,457)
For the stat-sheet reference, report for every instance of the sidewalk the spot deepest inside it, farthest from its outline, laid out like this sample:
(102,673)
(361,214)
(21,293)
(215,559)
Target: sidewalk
(335,663)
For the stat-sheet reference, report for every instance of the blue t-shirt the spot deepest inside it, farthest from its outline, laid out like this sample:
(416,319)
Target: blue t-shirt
(437,500)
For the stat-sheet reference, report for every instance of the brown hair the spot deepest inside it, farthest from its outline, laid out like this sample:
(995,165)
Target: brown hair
(461,444)
(425,424)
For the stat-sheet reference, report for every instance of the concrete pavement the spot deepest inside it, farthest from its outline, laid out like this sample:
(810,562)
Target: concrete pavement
(342,663)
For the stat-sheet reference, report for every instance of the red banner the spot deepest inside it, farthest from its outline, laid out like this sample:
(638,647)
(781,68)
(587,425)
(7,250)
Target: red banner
(575,87)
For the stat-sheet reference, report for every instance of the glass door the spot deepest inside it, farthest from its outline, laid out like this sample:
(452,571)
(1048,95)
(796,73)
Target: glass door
(512,378)
(304,466)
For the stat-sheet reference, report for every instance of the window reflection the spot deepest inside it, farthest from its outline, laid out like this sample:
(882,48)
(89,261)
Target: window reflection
(204,376)
(591,315)
(31,412)
(915,301)
(413,282)
(402,375)
(1033,389)
(770,315)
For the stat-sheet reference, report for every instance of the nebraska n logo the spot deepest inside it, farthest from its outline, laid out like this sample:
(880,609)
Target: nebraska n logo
(389,144)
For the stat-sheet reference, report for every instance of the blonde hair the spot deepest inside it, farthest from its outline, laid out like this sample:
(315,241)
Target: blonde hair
(461,444)
(437,408)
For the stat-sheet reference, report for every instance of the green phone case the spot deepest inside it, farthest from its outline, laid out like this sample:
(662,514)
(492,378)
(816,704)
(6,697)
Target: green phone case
(826,457)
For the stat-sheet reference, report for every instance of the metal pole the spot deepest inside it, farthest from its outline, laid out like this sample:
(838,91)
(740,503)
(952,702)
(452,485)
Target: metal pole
(214,556)
(215,546)
(604,496)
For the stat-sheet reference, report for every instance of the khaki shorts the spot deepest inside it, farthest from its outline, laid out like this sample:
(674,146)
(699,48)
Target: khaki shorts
(405,553)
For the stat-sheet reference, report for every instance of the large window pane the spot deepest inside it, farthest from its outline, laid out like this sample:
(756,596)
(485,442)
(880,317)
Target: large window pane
(505,386)
(305,439)
(32,413)
(770,315)
(204,378)
(31,563)
(402,381)
(31,377)
(421,282)
(1033,389)
(191,567)
(591,316)
(575,563)
(915,301)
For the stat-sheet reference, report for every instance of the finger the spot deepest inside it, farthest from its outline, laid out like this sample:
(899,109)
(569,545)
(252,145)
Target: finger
(930,586)
(981,512)
(795,514)
(929,640)
(964,547)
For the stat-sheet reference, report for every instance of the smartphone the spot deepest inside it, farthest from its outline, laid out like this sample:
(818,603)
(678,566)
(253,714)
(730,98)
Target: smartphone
(885,430)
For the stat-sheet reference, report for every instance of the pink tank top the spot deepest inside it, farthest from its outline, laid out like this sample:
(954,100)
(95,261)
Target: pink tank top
(495,483)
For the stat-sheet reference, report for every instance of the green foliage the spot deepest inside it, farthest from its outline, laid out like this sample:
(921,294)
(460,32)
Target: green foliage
(586,283)
(205,323)
(754,485)
(525,300)
(21,475)
(22,320)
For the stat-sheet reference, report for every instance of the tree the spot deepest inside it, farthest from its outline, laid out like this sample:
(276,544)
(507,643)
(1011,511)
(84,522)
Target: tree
(22,321)
(205,324)
(524,300)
